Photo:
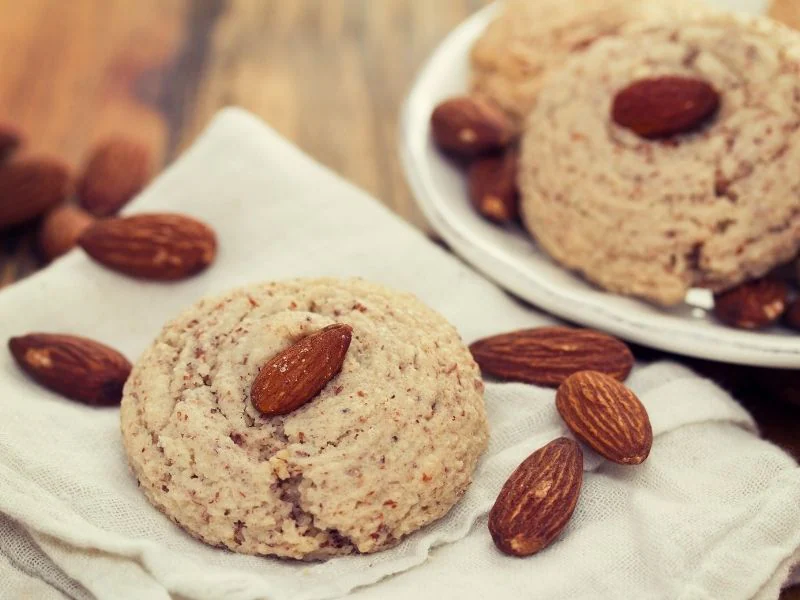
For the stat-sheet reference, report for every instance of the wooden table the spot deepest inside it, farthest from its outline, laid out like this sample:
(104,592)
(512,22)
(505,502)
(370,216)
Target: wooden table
(328,74)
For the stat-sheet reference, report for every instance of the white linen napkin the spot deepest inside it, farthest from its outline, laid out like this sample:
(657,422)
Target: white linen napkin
(713,513)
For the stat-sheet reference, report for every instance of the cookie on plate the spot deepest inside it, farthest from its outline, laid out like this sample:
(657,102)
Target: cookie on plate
(653,218)
(387,447)
(531,37)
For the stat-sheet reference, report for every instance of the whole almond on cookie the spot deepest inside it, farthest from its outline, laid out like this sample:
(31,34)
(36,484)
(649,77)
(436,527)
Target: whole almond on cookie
(60,229)
(548,355)
(298,374)
(151,246)
(752,305)
(468,126)
(664,106)
(29,188)
(493,187)
(607,416)
(538,499)
(10,140)
(116,171)
(75,367)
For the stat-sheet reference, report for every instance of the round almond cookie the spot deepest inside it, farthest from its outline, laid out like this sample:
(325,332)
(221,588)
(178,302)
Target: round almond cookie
(529,38)
(388,446)
(652,218)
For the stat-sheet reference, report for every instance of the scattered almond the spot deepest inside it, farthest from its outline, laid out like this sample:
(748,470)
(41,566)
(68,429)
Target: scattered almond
(537,501)
(298,374)
(466,126)
(76,367)
(29,188)
(151,246)
(548,355)
(60,230)
(10,140)
(664,106)
(752,305)
(607,416)
(792,317)
(493,187)
(116,171)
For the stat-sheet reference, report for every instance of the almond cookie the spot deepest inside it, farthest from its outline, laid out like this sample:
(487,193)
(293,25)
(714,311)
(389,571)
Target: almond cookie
(387,447)
(653,218)
(532,37)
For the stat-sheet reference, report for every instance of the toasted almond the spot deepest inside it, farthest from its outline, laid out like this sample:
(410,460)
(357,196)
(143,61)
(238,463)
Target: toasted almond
(75,367)
(493,187)
(60,229)
(752,305)
(467,126)
(151,246)
(116,171)
(300,372)
(548,355)
(29,188)
(607,416)
(537,501)
(665,106)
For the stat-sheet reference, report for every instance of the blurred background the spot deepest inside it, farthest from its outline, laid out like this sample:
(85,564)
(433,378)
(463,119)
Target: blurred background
(329,75)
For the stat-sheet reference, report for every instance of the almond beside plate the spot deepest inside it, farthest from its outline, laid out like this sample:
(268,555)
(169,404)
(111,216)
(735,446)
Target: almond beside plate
(507,255)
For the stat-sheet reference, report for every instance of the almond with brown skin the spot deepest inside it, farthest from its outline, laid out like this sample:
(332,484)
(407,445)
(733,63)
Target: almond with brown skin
(493,187)
(60,230)
(664,106)
(116,171)
(75,367)
(10,140)
(297,374)
(753,305)
(29,188)
(151,246)
(467,126)
(538,499)
(607,416)
(548,355)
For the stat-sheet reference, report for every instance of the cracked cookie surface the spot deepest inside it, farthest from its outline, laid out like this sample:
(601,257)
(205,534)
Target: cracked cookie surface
(387,447)
(654,218)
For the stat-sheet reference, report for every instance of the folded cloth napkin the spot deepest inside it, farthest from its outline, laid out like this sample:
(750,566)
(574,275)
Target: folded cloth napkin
(713,513)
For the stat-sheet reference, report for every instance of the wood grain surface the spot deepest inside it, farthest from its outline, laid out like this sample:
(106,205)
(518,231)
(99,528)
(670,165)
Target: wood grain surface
(328,74)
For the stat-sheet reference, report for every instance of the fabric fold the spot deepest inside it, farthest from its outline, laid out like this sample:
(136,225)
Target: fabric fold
(712,513)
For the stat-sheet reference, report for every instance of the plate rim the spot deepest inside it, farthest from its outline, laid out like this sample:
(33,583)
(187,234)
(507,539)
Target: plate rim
(663,332)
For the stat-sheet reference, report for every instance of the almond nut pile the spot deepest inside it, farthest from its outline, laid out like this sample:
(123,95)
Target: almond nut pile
(587,367)
(160,247)
(476,132)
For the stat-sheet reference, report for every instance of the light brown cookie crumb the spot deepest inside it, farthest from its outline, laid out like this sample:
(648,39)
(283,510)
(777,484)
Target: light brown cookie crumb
(655,218)
(388,446)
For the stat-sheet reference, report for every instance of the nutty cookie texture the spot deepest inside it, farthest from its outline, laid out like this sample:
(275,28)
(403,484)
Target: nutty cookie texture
(388,446)
(532,38)
(653,218)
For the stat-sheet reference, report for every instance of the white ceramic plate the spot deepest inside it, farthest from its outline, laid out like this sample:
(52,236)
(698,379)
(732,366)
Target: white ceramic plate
(508,256)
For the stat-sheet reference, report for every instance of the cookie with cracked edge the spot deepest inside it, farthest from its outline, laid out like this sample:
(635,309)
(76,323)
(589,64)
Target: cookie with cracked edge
(387,447)
(653,218)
